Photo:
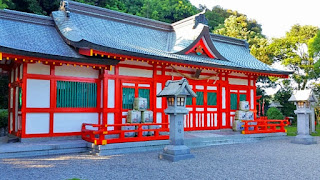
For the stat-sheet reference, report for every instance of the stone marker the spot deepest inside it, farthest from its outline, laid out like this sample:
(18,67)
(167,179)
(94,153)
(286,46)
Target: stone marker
(303,99)
(176,93)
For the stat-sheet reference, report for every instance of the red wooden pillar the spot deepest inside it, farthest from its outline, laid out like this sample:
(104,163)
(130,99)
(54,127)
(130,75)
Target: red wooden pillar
(24,100)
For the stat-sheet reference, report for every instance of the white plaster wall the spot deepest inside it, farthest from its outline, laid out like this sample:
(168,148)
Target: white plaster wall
(159,118)
(38,93)
(12,75)
(110,120)
(237,81)
(37,123)
(112,70)
(137,63)
(238,74)
(252,98)
(224,119)
(135,72)
(11,121)
(11,97)
(71,122)
(111,93)
(76,71)
(159,99)
(21,71)
(223,98)
(16,73)
(38,68)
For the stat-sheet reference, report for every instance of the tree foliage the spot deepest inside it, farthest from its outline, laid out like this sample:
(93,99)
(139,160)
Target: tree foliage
(283,96)
(292,51)
(274,113)
(314,45)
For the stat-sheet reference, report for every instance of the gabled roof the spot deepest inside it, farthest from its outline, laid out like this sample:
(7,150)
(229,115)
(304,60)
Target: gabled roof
(176,88)
(63,37)
(35,35)
(303,95)
(91,27)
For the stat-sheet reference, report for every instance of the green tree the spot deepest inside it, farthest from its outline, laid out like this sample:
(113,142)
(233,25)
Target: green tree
(239,26)
(168,10)
(44,7)
(3,5)
(216,16)
(292,51)
(274,113)
(314,45)
(283,96)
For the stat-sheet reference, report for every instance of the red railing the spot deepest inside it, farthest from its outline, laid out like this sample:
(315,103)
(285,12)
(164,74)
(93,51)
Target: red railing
(263,125)
(103,134)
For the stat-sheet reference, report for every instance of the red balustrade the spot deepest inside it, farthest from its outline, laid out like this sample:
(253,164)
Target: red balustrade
(103,134)
(263,125)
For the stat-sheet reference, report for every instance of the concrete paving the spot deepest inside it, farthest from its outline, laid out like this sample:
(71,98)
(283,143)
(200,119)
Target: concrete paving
(273,159)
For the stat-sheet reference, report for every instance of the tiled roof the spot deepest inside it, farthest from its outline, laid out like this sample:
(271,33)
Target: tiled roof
(33,35)
(114,32)
(105,30)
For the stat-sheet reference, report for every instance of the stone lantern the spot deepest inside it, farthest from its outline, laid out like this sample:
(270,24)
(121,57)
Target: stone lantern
(303,100)
(176,93)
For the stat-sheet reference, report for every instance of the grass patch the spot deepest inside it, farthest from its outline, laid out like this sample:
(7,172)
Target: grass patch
(292,130)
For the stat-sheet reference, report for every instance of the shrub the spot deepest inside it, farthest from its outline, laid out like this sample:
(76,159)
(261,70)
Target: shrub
(3,118)
(274,113)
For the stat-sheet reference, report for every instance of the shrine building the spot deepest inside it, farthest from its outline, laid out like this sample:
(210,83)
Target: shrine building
(86,64)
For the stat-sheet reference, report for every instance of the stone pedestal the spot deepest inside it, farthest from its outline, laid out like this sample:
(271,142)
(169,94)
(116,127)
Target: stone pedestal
(176,151)
(303,128)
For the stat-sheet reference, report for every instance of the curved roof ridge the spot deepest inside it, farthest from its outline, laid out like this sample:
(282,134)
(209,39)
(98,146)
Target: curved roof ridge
(86,9)
(230,40)
(26,17)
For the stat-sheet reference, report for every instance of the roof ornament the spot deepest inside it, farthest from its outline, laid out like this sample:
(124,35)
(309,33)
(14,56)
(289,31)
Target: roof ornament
(64,6)
(201,18)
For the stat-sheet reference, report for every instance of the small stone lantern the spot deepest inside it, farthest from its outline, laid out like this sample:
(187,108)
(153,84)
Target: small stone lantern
(176,93)
(303,100)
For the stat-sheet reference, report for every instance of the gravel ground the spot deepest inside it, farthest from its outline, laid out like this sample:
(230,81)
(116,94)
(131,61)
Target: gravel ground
(276,159)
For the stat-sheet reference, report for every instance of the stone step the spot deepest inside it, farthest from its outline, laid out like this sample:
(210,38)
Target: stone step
(194,142)
(14,150)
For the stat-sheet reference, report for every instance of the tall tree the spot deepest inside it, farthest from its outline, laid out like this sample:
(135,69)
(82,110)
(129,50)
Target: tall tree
(239,26)
(292,51)
(314,45)
(216,16)
(167,10)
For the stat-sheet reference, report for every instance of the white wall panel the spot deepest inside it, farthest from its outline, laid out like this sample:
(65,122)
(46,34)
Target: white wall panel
(211,87)
(223,119)
(223,98)
(37,123)
(237,81)
(159,99)
(111,93)
(21,71)
(71,122)
(135,72)
(38,93)
(110,120)
(38,68)
(159,118)
(252,98)
(76,71)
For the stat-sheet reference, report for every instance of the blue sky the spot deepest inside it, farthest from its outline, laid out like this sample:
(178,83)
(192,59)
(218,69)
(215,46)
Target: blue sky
(275,16)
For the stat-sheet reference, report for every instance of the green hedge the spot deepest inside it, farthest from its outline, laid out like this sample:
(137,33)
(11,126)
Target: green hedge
(3,118)
(274,113)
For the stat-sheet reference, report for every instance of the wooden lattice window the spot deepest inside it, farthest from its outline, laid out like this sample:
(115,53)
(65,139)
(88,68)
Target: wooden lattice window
(76,94)
(199,99)
(189,100)
(212,98)
(243,97)
(127,98)
(145,93)
(233,101)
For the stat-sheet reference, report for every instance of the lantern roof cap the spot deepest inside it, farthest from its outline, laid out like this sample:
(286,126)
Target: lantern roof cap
(303,95)
(176,88)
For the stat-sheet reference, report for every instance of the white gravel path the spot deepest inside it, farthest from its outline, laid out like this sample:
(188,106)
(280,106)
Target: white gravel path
(276,159)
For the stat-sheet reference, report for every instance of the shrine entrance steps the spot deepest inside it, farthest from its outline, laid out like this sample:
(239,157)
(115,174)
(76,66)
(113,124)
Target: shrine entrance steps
(193,139)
